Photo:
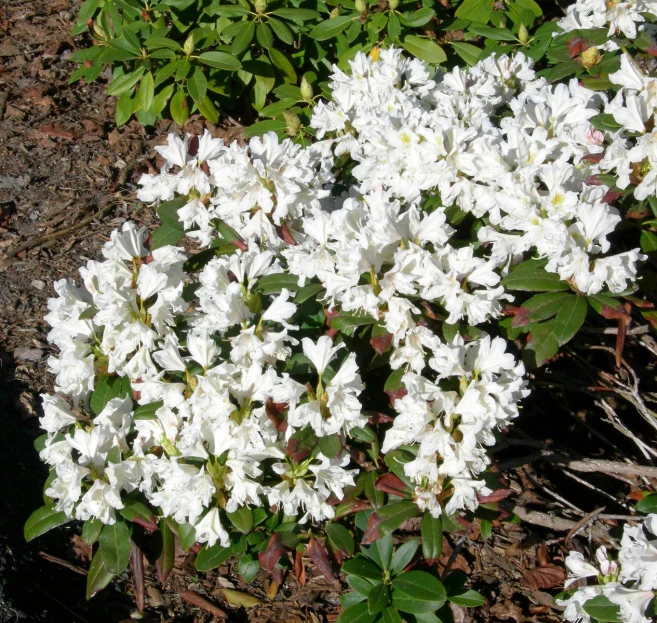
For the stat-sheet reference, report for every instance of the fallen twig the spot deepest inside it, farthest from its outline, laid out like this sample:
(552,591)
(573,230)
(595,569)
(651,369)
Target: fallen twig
(581,523)
(558,524)
(63,563)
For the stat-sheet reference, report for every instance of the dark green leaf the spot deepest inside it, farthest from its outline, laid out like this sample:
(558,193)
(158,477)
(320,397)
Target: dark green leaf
(211,557)
(197,85)
(281,30)
(115,546)
(282,63)
(125,82)
(390,615)
(167,557)
(330,446)
(243,39)
(570,318)
(403,556)
(648,504)
(98,576)
(220,60)
(417,592)
(418,18)
(331,27)
(602,609)
(648,242)
(179,109)
(362,568)
(340,538)
(531,276)
(380,552)
(347,322)
(264,35)
(297,15)
(476,10)
(497,34)
(262,127)
(165,235)
(242,519)
(378,598)
(540,307)
(146,92)
(469,599)
(91,530)
(432,537)
(168,212)
(107,388)
(147,412)
(543,345)
(357,614)
(424,49)
(41,520)
(273,284)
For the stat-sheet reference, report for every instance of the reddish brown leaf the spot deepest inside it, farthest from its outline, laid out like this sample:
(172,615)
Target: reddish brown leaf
(144,523)
(376,417)
(652,50)
(611,196)
(381,343)
(594,158)
(429,310)
(391,483)
(614,313)
(193,598)
(372,533)
(320,558)
(352,506)
(56,131)
(521,317)
(594,180)
(545,577)
(298,450)
(275,412)
(496,496)
(240,244)
(285,234)
(396,394)
(299,569)
(576,46)
(137,568)
(270,557)
(192,148)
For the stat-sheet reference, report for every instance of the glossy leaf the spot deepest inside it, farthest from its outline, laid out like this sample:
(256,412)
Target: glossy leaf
(41,520)
(98,577)
(115,547)
(211,557)
(432,537)
(570,318)
(417,592)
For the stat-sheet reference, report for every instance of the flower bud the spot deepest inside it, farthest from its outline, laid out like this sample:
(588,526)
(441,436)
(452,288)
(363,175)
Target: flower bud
(306,89)
(393,4)
(361,6)
(591,56)
(523,35)
(260,6)
(189,45)
(374,53)
(335,12)
(293,122)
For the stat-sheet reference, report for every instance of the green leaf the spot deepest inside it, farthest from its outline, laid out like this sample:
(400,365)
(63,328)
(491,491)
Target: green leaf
(220,60)
(187,535)
(393,515)
(125,82)
(417,592)
(91,530)
(165,235)
(155,42)
(248,569)
(340,539)
(297,15)
(347,322)
(468,52)
(242,519)
(41,520)
(378,598)
(424,49)
(197,85)
(207,109)
(243,39)
(98,576)
(330,446)
(605,122)
(308,292)
(602,609)
(403,556)
(476,10)
(570,318)
(282,63)
(274,284)
(123,110)
(168,553)
(211,557)
(168,212)
(161,99)
(417,18)
(262,127)
(281,30)
(362,568)
(331,27)
(380,552)
(146,92)
(540,307)
(469,599)
(264,35)
(357,614)
(390,615)
(531,276)
(544,344)
(115,546)
(432,537)
(179,112)
(648,504)
(497,34)
(648,242)
(107,388)
(147,412)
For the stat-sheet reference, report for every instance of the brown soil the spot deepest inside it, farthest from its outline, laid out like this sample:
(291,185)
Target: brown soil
(62,163)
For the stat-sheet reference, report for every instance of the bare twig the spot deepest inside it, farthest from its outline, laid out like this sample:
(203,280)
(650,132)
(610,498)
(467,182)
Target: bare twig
(611,467)
(581,523)
(641,330)
(586,483)
(63,563)
(558,524)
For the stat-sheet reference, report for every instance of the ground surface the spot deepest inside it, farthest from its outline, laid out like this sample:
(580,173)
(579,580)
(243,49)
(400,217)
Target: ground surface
(66,180)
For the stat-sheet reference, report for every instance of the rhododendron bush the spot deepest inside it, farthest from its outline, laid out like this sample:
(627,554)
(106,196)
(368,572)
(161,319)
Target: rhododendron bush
(351,331)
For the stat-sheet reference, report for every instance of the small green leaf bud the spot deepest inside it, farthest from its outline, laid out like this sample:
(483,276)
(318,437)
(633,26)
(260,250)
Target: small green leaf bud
(306,89)
(523,35)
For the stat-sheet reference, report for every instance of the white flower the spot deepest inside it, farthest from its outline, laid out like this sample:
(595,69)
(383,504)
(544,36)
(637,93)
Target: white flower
(320,353)
(209,530)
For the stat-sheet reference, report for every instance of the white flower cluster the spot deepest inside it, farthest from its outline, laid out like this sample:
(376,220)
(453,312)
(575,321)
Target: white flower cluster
(216,416)
(630,583)
(525,172)
(618,17)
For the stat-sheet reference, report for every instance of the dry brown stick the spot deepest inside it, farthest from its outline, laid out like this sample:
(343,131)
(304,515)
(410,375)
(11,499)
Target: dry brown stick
(611,467)
(581,523)
(63,563)
(192,597)
(61,233)
(558,524)
(640,330)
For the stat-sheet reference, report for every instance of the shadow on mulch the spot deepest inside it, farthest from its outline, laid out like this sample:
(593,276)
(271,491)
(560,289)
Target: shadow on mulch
(31,588)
